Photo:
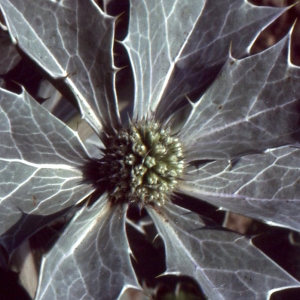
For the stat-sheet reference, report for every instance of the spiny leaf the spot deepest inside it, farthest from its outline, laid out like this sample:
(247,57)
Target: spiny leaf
(225,264)
(252,106)
(157,33)
(91,259)
(39,157)
(262,186)
(51,33)
(177,48)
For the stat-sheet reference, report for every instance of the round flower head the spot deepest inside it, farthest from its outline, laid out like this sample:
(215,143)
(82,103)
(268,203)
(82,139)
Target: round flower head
(141,163)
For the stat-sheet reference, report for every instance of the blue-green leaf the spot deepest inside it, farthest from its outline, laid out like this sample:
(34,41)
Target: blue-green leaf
(225,264)
(40,160)
(92,257)
(51,33)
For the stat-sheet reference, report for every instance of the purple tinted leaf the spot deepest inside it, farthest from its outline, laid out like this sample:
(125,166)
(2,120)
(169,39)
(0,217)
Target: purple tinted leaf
(225,264)
(91,260)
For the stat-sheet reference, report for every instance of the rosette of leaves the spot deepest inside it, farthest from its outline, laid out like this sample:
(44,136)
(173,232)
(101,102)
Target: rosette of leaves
(236,147)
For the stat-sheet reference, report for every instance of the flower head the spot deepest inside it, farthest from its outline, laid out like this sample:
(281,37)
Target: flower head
(141,163)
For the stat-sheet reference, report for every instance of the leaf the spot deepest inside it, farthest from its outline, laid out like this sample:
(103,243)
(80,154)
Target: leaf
(261,186)
(252,106)
(224,26)
(156,35)
(51,33)
(91,258)
(40,160)
(176,49)
(225,264)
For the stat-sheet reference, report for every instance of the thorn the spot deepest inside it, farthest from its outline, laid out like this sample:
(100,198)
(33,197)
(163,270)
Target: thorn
(155,238)
(292,5)
(88,201)
(19,84)
(118,17)
(132,255)
(117,69)
(119,42)
(289,58)
(190,101)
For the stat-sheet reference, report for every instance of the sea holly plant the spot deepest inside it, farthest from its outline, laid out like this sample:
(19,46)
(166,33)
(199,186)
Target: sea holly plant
(207,120)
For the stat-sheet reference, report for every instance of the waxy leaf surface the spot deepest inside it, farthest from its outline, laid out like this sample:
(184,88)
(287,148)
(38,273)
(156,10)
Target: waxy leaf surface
(176,49)
(39,165)
(252,106)
(72,41)
(225,264)
(92,258)
(263,186)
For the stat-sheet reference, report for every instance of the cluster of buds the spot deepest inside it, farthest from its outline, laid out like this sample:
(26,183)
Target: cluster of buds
(142,163)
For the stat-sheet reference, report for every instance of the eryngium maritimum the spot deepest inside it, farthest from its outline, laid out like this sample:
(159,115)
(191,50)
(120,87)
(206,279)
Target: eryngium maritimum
(237,148)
